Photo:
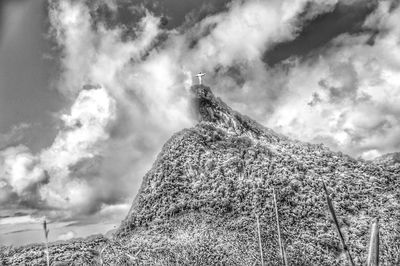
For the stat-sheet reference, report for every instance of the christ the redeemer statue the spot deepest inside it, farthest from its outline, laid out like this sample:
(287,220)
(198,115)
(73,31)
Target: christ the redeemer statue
(199,76)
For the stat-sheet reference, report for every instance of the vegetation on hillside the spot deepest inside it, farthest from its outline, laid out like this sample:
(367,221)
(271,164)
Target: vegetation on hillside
(208,170)
(74,252)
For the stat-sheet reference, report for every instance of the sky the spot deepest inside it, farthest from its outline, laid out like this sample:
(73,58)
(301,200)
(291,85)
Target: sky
(91,90)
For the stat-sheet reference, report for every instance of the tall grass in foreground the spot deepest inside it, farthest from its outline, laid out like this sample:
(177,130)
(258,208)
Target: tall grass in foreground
(334,218)
(46,235)
(373,251)
(259,240)
(281,246)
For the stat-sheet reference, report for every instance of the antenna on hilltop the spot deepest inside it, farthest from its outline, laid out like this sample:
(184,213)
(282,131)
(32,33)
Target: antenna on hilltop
(199,76)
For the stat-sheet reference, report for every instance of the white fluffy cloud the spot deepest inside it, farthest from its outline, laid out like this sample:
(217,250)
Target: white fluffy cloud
(66,236)
(20,174)
(83,138)
(50,177)
(86,127)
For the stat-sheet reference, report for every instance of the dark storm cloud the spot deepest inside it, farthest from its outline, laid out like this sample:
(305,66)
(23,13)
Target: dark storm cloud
(346,17)
(173,13)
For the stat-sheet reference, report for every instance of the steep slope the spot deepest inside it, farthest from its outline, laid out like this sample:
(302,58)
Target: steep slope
(197,205)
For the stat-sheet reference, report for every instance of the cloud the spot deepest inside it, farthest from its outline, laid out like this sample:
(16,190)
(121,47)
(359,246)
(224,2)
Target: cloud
(352,90)
(314,9)
(50,178)
(14,135)
(86,130)
(85,127)
(66,236)
(18,220)
(94,55)
(21,175)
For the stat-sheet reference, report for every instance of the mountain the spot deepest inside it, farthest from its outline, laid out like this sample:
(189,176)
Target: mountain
(199,203)
(209,182)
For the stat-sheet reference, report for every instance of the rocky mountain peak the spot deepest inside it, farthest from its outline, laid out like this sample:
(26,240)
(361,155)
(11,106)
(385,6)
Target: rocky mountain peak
(209,107)
(212,109)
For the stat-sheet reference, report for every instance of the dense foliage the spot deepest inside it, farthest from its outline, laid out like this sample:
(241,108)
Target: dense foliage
(75,252)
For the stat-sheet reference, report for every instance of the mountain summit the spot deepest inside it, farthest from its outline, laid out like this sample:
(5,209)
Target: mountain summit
(214,110)
(200,202)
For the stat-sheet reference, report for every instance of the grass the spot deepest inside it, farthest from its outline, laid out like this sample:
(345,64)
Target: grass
(46,235)
(373,250)
(335,220)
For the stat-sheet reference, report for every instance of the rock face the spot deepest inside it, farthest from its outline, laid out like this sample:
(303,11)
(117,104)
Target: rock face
(214,110)
(198,203)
